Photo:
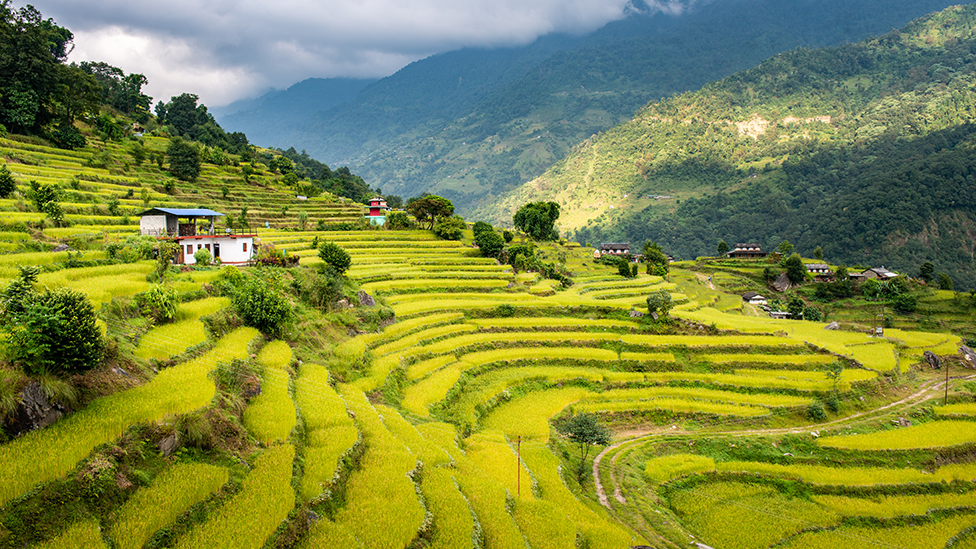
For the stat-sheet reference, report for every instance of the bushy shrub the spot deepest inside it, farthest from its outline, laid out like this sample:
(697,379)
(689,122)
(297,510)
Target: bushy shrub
(159,303)
(812,314)
(335,258)
(260,301)
(449,228)
(202,257)
(659,302)
(398,221)
(7,183)
(904,303)
(507,235)
(816,412)
(54,332)
(489,242)
(68,137)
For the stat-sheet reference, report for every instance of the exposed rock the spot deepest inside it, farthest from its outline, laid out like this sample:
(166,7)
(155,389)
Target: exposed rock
(932,359)
(169,445)
(902,422)
(343,303)
(63,248)
(832,326)
(969,355)
(34,411)
(366,300)
(636,314)
(782,283)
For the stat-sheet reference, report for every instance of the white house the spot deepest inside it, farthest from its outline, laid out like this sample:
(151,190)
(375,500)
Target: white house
(183,227)
(753,298)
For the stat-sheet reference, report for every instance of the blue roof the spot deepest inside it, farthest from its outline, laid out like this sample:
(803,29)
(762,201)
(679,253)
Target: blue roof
(196,212)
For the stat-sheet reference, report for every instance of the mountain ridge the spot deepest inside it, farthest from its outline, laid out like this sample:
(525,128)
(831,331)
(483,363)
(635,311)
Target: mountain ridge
(863,149)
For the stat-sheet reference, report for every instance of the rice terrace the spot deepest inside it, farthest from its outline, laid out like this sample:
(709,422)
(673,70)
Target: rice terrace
(209,344)
(423,396)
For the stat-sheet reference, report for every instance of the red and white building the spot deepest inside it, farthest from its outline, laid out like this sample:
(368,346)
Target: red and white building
(377,211)
(193,230)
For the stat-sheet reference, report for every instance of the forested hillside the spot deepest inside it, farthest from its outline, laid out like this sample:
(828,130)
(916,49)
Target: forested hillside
(865,150)
(472,124)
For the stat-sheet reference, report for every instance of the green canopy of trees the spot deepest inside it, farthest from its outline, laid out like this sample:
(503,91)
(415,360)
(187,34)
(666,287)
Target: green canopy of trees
(39,93)
(538,219)
(429,209)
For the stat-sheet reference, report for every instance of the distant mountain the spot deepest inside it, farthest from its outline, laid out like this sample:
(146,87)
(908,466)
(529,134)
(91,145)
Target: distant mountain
(472,124)
(270,119)
(867,150)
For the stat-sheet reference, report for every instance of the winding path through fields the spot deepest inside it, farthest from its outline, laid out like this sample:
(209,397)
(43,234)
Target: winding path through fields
(927,391)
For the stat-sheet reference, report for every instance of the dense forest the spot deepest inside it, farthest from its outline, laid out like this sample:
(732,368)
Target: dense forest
(41,95)
(864,149)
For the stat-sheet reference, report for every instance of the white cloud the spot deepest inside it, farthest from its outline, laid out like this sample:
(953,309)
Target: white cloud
(224,50)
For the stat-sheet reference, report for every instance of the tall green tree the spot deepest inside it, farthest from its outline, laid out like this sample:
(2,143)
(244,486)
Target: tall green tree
(37,88)
(184,159)
(538,220)
(586,431)
(795,270)
(430,209)
(7,183)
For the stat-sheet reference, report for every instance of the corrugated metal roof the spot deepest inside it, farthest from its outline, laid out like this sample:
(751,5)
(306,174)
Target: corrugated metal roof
(196,212)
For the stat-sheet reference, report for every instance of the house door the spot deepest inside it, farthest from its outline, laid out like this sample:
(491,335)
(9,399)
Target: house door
(180,258)
(216,250)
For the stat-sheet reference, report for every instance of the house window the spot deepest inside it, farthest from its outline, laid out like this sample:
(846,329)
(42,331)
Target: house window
(245,247)
(189,249)
(207,246)
(216,250)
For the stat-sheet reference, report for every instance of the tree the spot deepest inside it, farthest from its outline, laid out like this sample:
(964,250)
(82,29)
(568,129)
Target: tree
(430,208)
(623,267)
(842,273)
(481,227)
(784,248)
(795,306)
(184,159)
(47,199)
(656,259)
(449,228)
(586,431)
(795,270)
(926,271)
(818,253)
(7,183)
(722,248)
(945,282)
(397,220)
(260,301)
(489,242)
(166,251)
(659,302)
(335,257)
(302,220)
(538,219)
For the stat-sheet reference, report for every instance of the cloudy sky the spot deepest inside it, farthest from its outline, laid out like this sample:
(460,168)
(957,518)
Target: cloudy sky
(225,50)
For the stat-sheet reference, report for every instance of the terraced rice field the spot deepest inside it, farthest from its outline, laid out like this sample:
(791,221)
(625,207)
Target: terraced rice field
(438,429)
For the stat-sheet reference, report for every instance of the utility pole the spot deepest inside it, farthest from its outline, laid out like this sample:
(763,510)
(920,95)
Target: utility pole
(945,399)
(518,466)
